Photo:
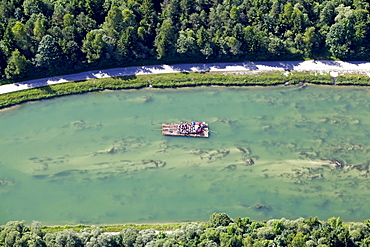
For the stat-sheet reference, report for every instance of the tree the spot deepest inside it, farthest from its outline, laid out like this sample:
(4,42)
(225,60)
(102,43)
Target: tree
(171,11)
(95,238)
(299,240)
(129,236)
(186,43)
(195,21)
(202,39)
(278,226)
(266,232)
(40,28)
(128,19)
(93,46)
(219,219)
(335,222)
(7,9)
(147,236)
(207,50)
(309,40)
(20,36)
(327,14)
(68,20)
(340,38)
(49,54)
(18,66)
(84,25)
(67,238)
(276,9)
(254,42)
(7,43)
(276,47)
(192,231)
(312,222)
(72,52)
(113,22)
(298,20)
(145,29)
(126,44)
(58,14)
(36,228)
(147,11)
(234,13)
(344,12)
(286,19)
(361,33)
(32,7)
(234,45)
(12,233)
(165,40)
(148,21)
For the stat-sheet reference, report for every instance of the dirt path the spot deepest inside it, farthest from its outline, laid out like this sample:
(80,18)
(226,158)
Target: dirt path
(311,65)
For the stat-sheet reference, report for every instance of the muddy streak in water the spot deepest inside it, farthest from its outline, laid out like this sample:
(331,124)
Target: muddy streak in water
(98,158)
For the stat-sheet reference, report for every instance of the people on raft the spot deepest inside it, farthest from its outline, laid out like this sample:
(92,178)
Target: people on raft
(190,128)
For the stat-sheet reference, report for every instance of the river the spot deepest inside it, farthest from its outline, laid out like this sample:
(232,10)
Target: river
(98,158)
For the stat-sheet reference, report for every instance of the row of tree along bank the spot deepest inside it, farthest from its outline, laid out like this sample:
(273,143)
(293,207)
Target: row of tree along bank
(43,37)
(178,80)
(220,230)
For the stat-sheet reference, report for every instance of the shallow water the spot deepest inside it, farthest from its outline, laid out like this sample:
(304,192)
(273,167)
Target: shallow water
(96,158)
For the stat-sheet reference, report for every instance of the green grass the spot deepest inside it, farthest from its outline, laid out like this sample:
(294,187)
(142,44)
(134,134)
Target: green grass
(113,228)
(70,88)
(177,80)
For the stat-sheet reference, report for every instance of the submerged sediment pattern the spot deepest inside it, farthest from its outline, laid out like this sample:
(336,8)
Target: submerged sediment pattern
(98,158)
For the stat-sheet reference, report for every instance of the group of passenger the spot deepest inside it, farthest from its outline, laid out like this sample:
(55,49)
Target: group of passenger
(190,128)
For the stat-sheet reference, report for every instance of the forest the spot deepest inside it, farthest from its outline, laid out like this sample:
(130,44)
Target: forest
(220,230)
(50,37)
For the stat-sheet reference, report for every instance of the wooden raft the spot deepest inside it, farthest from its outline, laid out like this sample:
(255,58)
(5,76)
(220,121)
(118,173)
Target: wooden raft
(170,129)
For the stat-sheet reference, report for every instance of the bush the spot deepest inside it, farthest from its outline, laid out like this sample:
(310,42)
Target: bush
(219,219)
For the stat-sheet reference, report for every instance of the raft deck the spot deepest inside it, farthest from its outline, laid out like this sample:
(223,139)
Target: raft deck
(170,129)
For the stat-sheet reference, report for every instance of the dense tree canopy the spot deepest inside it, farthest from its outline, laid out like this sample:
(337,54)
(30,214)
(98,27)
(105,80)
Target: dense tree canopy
(59,36)
(220,230)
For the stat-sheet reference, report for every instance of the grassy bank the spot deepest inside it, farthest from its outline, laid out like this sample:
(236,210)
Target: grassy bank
(113,228)
(177,80)
(220,230)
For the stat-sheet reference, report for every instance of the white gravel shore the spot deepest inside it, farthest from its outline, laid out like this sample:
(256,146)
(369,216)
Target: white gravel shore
(340,67)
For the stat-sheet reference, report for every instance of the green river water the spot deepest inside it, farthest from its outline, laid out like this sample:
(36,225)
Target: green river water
(97,159)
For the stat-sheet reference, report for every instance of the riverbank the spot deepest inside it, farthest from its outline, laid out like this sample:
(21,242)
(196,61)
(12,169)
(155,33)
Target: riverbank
(314,66)
(114,228)
(231,77)
(220,230)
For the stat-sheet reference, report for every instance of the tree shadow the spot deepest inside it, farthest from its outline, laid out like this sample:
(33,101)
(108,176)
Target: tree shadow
(332,63)
(47,89)
(126,78)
